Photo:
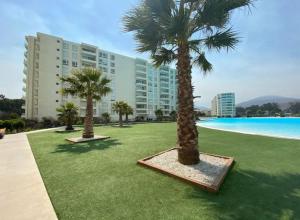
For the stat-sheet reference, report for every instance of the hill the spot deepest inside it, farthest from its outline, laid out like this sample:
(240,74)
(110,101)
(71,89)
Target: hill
(283,102)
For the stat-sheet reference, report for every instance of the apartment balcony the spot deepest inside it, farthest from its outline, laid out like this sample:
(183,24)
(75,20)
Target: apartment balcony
(88,49)
(23,107)
(141,75)
(25,54)
(24,89)
(25,62)
(26,46)
(25,71)
(24,80)
(87,63)
(88,58)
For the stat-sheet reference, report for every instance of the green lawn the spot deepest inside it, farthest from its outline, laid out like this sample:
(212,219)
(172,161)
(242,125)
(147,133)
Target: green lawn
(101,180)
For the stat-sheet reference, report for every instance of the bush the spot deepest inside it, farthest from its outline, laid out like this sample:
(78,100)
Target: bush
(32,124)
(8,125)
(18,124)
(139,118)
(47,122)
(97,120)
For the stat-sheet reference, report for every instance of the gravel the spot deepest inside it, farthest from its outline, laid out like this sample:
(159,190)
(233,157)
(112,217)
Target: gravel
(206,171)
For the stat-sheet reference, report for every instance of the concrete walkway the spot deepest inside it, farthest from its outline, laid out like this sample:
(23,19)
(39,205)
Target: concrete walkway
(22,191)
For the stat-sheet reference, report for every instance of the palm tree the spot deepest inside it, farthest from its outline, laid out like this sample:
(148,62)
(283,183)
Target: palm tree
(120,108)
(173,115)
(105,117)
(128,111)
(67,114)
(180,31)
(159,114)
(87,83)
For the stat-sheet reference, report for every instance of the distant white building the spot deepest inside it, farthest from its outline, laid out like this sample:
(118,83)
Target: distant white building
(223,105)
(135,81)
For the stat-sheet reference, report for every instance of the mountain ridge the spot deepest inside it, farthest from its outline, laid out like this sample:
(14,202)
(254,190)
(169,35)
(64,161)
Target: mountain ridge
(282,101)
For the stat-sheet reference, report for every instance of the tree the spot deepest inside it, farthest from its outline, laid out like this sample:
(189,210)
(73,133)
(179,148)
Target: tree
(87,83)
(173,115)
(106,118)
(159,114)
(11,106)
(128,111)
(120,108)
(294,108)
(180,31)
(68,114)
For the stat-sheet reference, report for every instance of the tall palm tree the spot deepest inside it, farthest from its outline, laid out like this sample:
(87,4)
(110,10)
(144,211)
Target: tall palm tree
(87,83)
(128,111)
(180,31)
(68,113)
(120,108)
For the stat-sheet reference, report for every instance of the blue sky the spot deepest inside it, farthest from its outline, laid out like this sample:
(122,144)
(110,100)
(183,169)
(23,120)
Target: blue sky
(266,62)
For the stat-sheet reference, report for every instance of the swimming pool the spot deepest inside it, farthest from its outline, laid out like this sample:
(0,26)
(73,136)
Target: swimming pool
(275,127)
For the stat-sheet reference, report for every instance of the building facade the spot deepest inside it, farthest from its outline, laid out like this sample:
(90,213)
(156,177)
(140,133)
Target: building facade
(223,105)
(133,80)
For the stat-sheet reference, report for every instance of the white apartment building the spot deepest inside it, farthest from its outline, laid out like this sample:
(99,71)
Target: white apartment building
(223,105)
(133,80)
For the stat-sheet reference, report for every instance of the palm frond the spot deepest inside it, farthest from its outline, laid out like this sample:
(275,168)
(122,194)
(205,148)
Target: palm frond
(222,39)
(163,56)
(203,63)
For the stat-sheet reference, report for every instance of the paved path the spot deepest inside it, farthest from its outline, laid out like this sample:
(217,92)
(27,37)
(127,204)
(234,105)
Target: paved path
(22,191)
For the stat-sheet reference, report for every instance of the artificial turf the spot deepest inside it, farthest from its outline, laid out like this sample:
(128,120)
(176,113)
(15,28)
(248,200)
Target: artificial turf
(101,180)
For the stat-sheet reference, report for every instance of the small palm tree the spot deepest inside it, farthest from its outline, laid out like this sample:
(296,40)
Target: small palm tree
(87,83)
(128,111)
(159,114)
(173,115)
(106,117)
(120,108)
(180,31)
(68,114)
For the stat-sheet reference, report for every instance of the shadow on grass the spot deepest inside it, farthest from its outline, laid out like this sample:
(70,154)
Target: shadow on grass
(254,195)
(86,147)
(124,126)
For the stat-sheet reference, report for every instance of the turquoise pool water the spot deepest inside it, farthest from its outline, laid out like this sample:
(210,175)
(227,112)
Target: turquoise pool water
(276,127)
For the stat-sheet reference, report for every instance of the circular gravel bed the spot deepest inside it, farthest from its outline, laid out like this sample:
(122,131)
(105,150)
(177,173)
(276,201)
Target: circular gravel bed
(207,171)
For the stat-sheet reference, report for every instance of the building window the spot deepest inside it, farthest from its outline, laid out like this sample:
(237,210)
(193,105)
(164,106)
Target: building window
(65,62)
(56,92)
(57,58)
(58,41)
(57,74)
(57,84)
(57,66)
(112,64)
(58,49)
(74,48)
(74,56)
(112,71)
(66,46)
(102,54)
(74,63)
(112,57)
(56,100)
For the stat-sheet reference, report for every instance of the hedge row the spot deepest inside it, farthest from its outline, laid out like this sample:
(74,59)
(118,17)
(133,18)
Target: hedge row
(13,124)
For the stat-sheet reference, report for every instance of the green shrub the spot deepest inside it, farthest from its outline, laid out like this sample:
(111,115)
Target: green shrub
(18,124)
(8,124)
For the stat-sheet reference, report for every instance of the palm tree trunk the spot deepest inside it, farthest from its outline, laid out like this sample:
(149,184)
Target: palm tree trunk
(88,121)
(120,120)
(126,118)
(187,134)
